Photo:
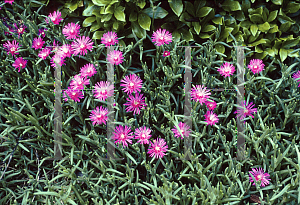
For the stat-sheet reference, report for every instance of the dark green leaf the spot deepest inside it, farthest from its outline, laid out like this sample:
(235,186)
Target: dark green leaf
(139,32)
(89,11)
(220,48)
(190,8)
(256,18)
(285,26)
(144,21)
(290,43)
(186,35)
(277,2)
(272,16)
(204,11)
(176,6)
(292,7)
(230,5)
(98,34)
(119,13)
(261,41)
(208,28)
(197,27)
(95,26)
(88,21)
(282,54)
(158,12)
(133,16)
(264,27)
(253,29)
(116,25)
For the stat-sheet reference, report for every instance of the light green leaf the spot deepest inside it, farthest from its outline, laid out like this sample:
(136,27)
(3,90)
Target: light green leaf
(204,11)
(116,25)
(95,26)
(277,2)
(88,21)
(176,6)
(220,48)
(101,2)
(285,26)
(141,4)
(255,18)
(139,32)
(197,27)
(208,28)
(119,13)
(230,5)
(290,43)
(89,11)
(272,16)
(274,29)
(284,190)
(282,54)
(264,27)
(145,21)
(253,29)
(159,12)
(98,34)
(292,7)
(259,42)
(218,20)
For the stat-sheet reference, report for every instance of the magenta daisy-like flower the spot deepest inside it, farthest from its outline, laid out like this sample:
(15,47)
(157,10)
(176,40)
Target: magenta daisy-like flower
(74,94)
(133,83)
(21,29)
(158,149)
(297,75)
(20,63)
(37,43)
(58,59)
(200,94)
(103,90)
(135,103)
(11,47)
(88,70)
(226,69)
(184,129)
(99,116)
(245,111)
(211,105)
(55,17)
(42,32)
(65,51)
(143,134)
(161,37)
(44,53)
(166,53)
(109,39)
(256,65)
(71,31)
(123,135)
(78,82)
(211,118)
(259,175)
(9,1)
(115,57)
(81,45)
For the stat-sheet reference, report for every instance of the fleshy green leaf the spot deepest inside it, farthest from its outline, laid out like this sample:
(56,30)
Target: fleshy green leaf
(139,32)
(285,26)
(230,5)
(264,27)
(218,20)
(253,29)
(176,6)
(98,34)
(145,21)
(197,27)
(220,48)
(119,13)
(95,26)
(88,21)
(133,16)
(186,35)
(258,42)
(89,11)
(292,7)
(277,2)
(282,54)
(208,28)
(158,12)
(256,18)
(103,2)
(204,11)
(272,16)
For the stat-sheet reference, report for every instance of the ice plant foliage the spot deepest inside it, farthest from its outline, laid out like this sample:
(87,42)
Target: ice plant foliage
(259,175)
(297,75)
(142,134)
(166,53)
(71,31)
(99,115)
(103,90)
(81,45)
(109,39)
(37,43)
(135,103)
(256,65)
(115,57)
(158,149)
(55,17)
(226,69)
(184,129)
(44,53)
(123,134)
(88,70)
(11,47)
(246,110)
(161,37)
(133,83)
(211,118)
(20,63)
(200,94)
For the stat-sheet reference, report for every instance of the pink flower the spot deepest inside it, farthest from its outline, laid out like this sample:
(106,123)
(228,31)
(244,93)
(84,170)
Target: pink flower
(71,31)
(166,53)
(42,32)
(256,65)
(158,148)
(55,17)
(143,134)
(123,135)
(115,57)
(184,129)
(20,63)
(58,59)
(245,110)
(161,37)
(44,53)
(78,82)
(109,39)
(37,43)
(65,51)
(135,103)
(11,47)
(20,30)
(10,29)
(211,118)
(211,105)
(9,1)
(199,94)
(259,175)
(99,115)
(297,75)
(55,46)
(88,70)
(133,83)
(226,69)
(81,45)
(103,90)
(74,94)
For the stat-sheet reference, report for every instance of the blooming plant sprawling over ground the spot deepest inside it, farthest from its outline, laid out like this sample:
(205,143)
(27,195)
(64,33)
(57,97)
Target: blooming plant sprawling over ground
(259,175)
(109,39)
(123,134)
(200,94)
(245,110)
(256,66)
(161,37)
(131,83)
(226,69)
(184,129)
(158,148)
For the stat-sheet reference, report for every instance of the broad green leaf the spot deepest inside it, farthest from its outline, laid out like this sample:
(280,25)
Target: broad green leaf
(290,43)
(225,32)
(274,29)
(186,35)
(116,25)
(144,21)
(133,16)
(101,2)
(272,16)
(88,21)
(220,48)
(190,8)
(71,6)
(95,26)
(292,7)
(106,17)
(89,11)
(261,41)
(110,9)
(141,4)
(253,29)
(158,12)
(176,6)
(282,54)
(139,32)
(204,11)
(197,27)
(176,36)
(285,26)
(218,20)
(277,2)
(291,54)
(272,51)
(98,34)
(119,13)
(230,5)
(208,28)
(264,27)
(256,18)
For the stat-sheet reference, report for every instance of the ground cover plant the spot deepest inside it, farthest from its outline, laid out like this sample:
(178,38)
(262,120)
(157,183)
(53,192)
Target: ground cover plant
(149,93)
